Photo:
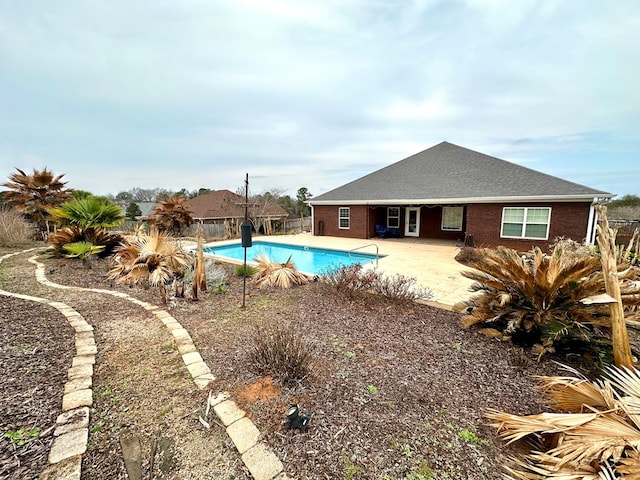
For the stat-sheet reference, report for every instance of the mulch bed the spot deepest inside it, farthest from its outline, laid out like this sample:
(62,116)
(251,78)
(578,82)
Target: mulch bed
(397,391)
(36,347)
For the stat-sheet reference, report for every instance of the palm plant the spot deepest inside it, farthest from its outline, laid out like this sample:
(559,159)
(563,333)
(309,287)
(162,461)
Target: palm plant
(88,212)
(537,299)
(172,215)
(82,250)
(275,274)
(85,220)
(596,435)
(155,260)
(32,195)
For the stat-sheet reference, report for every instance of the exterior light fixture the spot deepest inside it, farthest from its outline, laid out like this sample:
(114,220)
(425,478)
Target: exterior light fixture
(297,420)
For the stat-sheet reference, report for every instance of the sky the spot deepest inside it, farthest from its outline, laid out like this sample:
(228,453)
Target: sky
(315,93)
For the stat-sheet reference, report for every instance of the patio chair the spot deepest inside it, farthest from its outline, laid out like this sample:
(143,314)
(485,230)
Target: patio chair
(385,232)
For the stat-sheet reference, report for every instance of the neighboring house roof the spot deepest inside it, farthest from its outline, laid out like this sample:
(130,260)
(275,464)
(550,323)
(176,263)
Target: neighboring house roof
(222,204)
(145,207)
(447,173)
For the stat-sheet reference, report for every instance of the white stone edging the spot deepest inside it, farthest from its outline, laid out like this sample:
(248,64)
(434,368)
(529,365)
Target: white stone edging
(72,426)
(73,423)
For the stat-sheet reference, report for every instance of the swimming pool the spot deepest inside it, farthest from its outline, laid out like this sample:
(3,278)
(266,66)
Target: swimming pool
(306,259)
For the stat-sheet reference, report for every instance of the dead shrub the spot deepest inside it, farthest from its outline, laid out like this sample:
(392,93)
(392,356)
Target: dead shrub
(350,280)
(282,352)
(399,288)
(468,255)
(353,280)
(15,230)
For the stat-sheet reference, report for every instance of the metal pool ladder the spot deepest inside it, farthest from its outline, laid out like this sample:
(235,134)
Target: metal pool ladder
(365,246)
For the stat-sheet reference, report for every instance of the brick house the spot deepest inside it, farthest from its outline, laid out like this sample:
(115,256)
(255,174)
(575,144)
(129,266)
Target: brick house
(226,207)
(453,193)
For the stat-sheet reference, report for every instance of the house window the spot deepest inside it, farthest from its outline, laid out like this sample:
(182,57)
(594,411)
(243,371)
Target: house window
(393,217)
(524,222)
(344,217)
(452,219)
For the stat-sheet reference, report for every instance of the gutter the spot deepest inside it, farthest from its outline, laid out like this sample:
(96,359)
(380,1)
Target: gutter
(468,200)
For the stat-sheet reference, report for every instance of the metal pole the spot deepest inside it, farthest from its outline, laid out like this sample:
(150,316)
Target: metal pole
(244,267)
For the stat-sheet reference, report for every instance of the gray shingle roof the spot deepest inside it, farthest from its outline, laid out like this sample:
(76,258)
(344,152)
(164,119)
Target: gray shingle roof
(448,173)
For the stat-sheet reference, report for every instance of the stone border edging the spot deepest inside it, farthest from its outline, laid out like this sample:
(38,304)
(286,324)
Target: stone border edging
(262,463)
(199,371)
(72,431)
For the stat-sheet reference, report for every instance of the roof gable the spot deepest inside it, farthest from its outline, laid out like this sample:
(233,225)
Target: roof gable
(447,172)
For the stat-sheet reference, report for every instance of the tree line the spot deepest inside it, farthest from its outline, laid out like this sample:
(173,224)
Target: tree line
(295,207)
(43,198)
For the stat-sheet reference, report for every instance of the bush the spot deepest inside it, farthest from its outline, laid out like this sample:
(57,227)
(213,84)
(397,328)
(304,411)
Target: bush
(242,271)
(282,352)
(96,236)
(215,273)
(15,230)
(352,280)
(399,288)
(535,299)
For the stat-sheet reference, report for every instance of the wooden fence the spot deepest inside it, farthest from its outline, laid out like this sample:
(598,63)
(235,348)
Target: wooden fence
(220,230)
(625,230)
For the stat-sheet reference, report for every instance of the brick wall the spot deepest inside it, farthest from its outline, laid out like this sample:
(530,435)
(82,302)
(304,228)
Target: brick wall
(431,225)
(568,220)
(326,221)
(483,221)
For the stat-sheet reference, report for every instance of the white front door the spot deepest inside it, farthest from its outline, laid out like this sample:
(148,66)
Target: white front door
(412,222)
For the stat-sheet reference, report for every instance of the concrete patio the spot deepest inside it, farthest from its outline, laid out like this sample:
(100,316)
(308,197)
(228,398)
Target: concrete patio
(431,262)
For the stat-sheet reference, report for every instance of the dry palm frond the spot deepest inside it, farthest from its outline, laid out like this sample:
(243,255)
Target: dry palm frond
(172,215)
(601,443)
(629,466)
(515,427)
(539,465)
(626,380)
(155,260)
(537,298)
(274,274)
(606,436)
(576,395)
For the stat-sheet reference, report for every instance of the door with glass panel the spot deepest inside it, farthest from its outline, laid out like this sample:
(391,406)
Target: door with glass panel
(412,222)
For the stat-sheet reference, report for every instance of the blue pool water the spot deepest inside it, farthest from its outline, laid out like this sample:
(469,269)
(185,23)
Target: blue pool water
(306,259)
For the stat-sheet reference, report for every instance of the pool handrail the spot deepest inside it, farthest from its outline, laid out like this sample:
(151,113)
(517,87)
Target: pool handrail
(365,246)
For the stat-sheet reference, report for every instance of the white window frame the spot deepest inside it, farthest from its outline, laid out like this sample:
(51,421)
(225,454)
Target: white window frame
(449,228)
(396,216)
(525,222)
(341,217)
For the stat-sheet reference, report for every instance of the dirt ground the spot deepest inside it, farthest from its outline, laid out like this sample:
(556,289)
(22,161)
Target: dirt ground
(397,391)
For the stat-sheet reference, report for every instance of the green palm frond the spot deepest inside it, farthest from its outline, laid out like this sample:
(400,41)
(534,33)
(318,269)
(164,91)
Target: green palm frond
(82,250)
(88,212)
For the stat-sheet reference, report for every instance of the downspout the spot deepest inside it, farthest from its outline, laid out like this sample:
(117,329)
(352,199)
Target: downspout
(313,221)
(590,237)
(368,235)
